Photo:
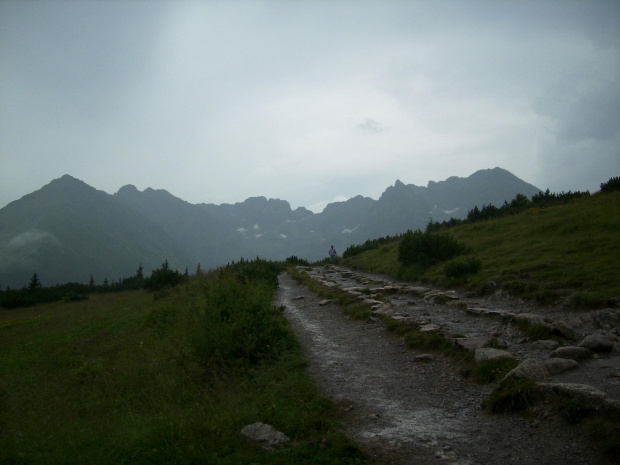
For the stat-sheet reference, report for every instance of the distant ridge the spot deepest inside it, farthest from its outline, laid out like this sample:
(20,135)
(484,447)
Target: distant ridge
(68,230)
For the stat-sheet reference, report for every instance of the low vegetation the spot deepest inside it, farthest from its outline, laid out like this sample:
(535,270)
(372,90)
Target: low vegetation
(128,378)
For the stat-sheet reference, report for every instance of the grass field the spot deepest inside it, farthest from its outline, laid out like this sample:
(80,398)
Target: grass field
(129,378)
(567,255)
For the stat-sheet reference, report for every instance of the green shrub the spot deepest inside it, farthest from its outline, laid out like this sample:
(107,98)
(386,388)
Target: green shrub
(461,267)
(493,370)
(427,248)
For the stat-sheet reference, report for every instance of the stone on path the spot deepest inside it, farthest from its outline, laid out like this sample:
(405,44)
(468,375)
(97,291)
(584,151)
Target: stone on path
(597,343)
(483,354)
(265,435)
(546,344)
(531,318)
(562,329)
(528,369)
(572,352)
(473,343)
(555,366)
(325,302)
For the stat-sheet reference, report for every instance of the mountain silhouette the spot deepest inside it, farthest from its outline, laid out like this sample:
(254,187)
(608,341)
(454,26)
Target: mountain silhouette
(68,230)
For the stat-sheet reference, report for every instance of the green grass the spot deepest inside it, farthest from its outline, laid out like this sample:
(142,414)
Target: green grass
(565,254)
(124,378)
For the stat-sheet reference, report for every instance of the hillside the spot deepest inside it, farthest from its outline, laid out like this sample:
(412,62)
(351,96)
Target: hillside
(567,254)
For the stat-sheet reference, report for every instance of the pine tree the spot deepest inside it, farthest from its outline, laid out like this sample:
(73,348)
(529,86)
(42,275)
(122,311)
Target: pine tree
(140,272)
(35,283)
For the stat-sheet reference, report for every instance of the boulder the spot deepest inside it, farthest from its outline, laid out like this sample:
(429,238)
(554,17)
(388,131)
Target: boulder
(597,343)
(325,302)
(531,318)
(429,328)
(265,435)
(383,309)
(528,369)
(546,344)
(473,343)
(593,398)
(555,366)
(571,352)
(608,318)
(415,290)
(486,353)
(562,329)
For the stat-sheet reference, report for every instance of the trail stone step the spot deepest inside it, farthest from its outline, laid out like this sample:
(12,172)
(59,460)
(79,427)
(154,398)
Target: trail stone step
(483,354)
(555,366)
(571,352)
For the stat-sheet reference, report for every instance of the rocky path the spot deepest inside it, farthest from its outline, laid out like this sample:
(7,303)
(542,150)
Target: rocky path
(405,411)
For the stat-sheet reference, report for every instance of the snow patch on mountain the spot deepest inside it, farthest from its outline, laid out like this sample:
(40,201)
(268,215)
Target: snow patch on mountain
(349,231)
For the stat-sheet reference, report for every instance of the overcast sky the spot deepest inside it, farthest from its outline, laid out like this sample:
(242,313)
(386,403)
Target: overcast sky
(306,101)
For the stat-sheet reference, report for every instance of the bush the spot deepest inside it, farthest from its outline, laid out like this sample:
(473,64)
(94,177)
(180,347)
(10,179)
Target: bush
(370,244)
(458,268)
(427,248)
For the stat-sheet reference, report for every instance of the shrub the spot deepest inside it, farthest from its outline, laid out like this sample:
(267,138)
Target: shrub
(458,268)
(493,370)
(427,248)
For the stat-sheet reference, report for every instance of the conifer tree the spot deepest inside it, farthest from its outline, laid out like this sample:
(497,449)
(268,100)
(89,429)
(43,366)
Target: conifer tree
(35,282)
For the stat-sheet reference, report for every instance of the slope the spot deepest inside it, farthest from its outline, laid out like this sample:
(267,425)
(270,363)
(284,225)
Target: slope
(563,254)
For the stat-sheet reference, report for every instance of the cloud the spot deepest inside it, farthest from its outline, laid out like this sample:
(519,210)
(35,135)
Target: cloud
(219,101)
(370,126)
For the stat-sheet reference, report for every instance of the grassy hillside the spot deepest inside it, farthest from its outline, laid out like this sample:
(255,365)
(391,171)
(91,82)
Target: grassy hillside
(565,254)
(170,377)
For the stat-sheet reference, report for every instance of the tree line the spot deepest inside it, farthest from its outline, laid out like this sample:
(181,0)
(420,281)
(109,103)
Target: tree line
(34,292)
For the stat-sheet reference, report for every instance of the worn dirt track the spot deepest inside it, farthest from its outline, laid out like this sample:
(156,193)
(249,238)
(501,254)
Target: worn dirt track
(403,411)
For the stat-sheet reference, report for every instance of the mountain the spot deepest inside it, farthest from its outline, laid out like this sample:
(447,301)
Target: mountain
(67,230)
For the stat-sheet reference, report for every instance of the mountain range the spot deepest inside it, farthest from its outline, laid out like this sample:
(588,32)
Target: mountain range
(68,231)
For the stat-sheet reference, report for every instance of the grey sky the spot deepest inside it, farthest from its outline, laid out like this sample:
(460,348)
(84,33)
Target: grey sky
(306,101)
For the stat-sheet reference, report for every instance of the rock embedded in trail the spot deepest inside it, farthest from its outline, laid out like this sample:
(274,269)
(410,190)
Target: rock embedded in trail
(572,352)
(555,366)
(562,329)
(546,344)
(530,369)
(473,343)
(488,354)
(531,318)
(597,343)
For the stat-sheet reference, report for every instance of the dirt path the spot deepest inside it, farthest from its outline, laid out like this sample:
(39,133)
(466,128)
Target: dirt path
(403,411)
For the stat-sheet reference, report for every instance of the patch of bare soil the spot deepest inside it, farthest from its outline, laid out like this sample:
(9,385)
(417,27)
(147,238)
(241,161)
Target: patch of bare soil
(403,410)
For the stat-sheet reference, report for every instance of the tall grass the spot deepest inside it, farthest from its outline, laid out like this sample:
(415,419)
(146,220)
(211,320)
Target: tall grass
(125,378)
(564,254)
